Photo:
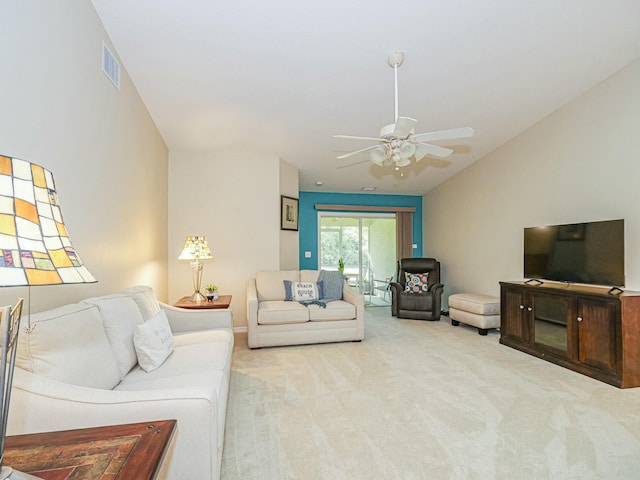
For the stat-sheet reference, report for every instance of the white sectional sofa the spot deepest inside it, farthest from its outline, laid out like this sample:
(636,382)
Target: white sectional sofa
(83,365)
(274,321)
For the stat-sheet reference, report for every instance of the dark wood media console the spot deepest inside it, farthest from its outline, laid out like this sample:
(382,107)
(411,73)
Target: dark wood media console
(585,329)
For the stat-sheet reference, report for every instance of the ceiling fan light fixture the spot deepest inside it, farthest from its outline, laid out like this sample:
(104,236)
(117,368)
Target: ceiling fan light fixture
(398,142)
(378,155)
(402,162)
(407,149)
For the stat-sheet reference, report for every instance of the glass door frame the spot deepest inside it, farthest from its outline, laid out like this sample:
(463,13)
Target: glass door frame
(358,216)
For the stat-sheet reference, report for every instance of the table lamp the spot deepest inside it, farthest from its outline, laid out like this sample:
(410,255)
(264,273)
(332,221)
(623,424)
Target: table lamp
(34,250)
(196,250)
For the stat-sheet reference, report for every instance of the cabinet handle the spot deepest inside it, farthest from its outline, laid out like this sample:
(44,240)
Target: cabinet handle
(579,319)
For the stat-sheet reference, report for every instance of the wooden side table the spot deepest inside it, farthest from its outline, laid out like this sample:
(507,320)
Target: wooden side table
(223,301)
(133,450)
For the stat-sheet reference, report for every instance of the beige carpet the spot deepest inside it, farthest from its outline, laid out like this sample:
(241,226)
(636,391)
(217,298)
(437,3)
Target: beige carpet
(422,400)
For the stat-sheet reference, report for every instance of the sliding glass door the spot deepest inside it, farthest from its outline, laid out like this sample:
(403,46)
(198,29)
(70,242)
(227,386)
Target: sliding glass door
(367,246)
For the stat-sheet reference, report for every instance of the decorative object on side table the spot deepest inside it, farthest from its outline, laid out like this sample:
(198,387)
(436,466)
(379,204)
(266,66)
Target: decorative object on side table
(222,302)
(196,250)
(34,250)
(288,213)
(212,292)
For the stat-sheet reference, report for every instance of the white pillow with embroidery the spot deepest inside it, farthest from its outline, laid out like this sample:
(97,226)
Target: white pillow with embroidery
(303,291)
(153,341)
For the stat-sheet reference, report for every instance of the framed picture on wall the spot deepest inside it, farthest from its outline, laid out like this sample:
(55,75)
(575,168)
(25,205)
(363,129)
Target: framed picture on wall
(288,213)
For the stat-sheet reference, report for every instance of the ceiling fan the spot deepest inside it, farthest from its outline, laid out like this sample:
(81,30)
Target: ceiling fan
(397,142)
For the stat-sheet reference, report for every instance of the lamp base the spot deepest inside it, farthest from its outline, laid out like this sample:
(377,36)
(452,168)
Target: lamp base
(197,297)
(11,474)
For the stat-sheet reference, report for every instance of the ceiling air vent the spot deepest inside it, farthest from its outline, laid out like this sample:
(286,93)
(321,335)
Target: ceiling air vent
(110,66)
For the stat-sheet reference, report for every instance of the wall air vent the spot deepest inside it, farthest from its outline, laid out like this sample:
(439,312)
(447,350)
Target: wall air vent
(110,66)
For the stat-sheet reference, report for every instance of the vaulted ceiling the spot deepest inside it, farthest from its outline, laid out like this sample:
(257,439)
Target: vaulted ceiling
(281,77)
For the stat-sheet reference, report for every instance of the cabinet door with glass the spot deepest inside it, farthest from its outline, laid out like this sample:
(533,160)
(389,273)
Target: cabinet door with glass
(553,328)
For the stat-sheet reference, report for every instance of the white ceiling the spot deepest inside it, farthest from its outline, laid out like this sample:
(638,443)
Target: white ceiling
(280,77)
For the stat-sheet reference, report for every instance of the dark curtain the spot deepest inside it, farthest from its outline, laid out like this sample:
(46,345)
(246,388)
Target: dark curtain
(404,235)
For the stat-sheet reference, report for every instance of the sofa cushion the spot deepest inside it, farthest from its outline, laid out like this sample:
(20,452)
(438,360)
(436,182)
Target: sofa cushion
(338,310)
(270,284)
(203,336)
(69,344)
(153,341)
(120,316)
(278,311)
(145,298)
(309,275)
(189,358)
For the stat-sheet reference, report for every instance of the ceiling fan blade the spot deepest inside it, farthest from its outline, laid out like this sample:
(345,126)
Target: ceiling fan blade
(423,149)
(348,165)
(351,137)
(351,154)
(462,132)
(403,127)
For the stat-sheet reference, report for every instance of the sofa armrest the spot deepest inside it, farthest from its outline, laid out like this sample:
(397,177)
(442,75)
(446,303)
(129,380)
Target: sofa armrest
(395,288)
(252,313)
(350,295)
(186,320)
(40,404)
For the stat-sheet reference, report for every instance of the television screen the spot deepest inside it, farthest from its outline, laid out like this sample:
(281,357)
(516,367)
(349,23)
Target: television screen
(590,253)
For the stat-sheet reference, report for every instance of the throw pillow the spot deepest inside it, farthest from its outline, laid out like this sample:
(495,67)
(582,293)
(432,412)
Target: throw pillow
(416,282)
(120,316)
(145,298)
(302,291)
(153,341)
(333,282)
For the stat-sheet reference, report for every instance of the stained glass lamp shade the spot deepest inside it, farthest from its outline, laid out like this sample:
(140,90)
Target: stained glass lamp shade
(34,244)
(196,250)
(34,250)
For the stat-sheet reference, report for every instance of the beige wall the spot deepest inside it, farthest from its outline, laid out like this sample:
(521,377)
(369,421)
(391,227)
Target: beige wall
(108,160)
(289,245)
(581,163)
(234,200)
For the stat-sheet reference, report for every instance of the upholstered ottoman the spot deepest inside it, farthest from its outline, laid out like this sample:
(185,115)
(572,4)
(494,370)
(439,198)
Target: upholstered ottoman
(477,310)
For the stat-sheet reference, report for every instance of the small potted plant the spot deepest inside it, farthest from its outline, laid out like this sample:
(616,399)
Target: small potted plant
(212,292)
(341,265)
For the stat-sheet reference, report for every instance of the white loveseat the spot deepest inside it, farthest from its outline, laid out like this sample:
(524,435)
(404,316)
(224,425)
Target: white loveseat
(272,321)
(79,368)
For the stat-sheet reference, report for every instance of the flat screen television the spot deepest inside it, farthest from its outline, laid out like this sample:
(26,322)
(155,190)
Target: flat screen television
(590,253)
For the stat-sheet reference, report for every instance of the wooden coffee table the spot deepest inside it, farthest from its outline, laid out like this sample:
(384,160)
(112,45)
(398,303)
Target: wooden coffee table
(132,451)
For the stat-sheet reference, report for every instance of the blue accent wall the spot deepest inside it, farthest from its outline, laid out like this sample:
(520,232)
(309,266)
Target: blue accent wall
(308,217)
